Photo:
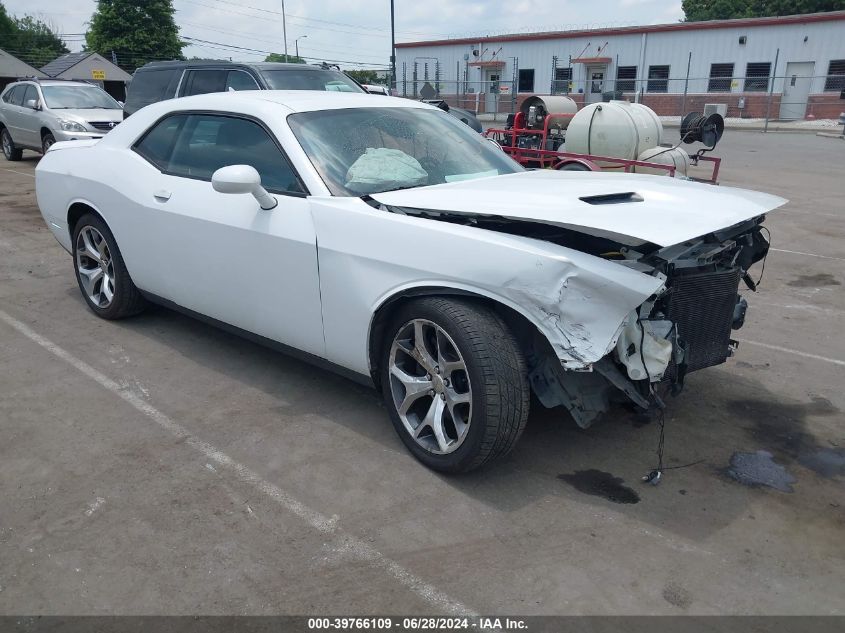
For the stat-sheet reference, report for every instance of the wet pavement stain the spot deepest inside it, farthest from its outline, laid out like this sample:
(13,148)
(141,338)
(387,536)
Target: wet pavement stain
(780,427)
(827,462)
(814,281)
(676,595)
(759,469)
(601,484)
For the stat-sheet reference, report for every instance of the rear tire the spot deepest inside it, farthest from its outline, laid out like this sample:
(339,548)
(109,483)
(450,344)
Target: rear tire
(9,150)
(101,273)
(468,377)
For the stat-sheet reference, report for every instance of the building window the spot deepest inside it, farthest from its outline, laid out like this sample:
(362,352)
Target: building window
(560,84)
(526,80)
(835,76)
(757,77)
(626,79)
(658,79)
(720,77)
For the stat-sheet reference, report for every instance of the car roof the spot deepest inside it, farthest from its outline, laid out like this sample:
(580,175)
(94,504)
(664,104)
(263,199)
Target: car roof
(226,63)
(295,100)
(50,82)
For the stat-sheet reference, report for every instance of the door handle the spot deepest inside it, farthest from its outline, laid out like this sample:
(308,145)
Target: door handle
(161,195)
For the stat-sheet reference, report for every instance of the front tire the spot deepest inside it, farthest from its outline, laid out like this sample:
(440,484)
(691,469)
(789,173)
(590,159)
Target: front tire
(100,271)
(47,142)
(9,150)
(454,381)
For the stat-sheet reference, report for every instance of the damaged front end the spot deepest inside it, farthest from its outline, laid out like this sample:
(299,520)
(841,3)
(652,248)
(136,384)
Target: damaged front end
(684,327)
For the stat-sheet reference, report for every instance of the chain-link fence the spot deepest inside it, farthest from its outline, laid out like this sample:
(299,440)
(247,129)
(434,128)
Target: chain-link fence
(752,99)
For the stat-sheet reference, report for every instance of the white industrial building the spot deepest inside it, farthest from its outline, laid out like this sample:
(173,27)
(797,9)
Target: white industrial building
(788,67)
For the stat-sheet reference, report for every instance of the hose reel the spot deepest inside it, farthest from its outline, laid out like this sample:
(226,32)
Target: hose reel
(695,127)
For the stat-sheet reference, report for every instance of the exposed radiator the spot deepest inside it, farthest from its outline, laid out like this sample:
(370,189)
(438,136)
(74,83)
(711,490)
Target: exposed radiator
(702,307)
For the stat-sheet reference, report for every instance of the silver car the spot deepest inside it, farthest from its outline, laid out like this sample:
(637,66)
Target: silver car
(34,114)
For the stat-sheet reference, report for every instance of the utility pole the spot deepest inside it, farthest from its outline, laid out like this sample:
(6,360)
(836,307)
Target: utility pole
(392,49)
(285,30)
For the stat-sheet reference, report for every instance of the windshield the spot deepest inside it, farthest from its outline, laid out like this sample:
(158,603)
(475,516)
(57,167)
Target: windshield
(295,79)
(77,97)
(372,150)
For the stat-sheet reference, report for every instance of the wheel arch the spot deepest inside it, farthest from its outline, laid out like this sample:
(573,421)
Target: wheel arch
(45,131)
(528,332)
(76,209)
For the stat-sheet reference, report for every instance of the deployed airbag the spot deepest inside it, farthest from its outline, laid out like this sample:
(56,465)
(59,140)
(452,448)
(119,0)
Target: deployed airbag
(382,169)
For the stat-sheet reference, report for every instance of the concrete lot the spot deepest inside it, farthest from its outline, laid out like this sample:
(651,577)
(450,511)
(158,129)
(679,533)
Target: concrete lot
(160,466)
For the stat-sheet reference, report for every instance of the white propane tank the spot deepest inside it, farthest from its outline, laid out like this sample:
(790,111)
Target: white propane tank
(665,155)
(618,129)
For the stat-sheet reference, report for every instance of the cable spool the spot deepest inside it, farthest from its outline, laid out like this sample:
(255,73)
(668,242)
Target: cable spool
(695,127)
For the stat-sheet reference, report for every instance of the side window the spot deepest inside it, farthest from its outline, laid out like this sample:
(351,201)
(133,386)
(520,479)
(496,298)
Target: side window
(240,80)
(7,95)
(16,96)
(157,144)
(31,93)
(201,82)
(149,86)
(197,145)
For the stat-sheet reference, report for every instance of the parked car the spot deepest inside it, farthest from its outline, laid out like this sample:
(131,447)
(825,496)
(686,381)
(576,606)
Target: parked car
(35,113)
(158,81)
(385,239)
(376,89)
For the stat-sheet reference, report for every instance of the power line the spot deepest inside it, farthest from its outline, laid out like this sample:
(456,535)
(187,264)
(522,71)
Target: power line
(259,51)
(380,34)
(275,42)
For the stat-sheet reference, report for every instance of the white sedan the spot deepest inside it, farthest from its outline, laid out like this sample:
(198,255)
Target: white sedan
(383,238)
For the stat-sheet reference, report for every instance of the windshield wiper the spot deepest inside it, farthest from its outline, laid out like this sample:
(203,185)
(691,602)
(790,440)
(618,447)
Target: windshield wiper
(399,188)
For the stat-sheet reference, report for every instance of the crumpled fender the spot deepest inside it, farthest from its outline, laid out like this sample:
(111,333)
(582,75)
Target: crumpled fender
(581,309)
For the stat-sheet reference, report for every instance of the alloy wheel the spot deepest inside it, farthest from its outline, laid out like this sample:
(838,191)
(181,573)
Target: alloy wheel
(430,386)
(95,266)
(47,143)
(7,145)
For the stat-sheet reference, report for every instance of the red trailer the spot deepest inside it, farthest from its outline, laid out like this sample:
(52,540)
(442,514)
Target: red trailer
(540,145)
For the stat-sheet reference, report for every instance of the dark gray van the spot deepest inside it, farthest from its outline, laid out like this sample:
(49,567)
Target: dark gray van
(159,81)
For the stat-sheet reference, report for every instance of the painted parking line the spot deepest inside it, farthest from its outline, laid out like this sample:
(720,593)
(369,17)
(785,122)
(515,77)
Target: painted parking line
(783,250)
(15,171)
(778,348)
(317,521)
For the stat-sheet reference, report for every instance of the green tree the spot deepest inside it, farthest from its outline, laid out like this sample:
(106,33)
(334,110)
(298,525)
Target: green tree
(698,10)
(7,25)
(138,31)
(280,57)
(364,76)
(37,42)
(29,39)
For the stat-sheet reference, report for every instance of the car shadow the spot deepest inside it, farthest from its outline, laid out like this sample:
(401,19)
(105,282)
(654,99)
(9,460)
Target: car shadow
(719,414)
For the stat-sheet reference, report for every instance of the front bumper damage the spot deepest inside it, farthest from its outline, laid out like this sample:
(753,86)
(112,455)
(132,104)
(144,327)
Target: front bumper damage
(685,326)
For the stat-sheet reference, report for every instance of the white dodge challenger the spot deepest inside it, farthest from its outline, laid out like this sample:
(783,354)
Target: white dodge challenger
(383,238)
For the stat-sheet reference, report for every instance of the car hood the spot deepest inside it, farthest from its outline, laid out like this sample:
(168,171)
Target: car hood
(91,114)
(655,209)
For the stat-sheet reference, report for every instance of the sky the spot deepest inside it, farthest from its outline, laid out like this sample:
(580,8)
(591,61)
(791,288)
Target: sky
(355,33)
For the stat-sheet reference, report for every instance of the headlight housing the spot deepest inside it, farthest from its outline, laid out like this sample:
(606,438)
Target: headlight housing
(72,126)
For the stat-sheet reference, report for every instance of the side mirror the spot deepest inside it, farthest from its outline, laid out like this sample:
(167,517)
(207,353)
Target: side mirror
(33,104)
(242,179)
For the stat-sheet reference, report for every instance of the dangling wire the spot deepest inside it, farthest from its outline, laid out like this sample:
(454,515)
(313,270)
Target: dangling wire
(766,256)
